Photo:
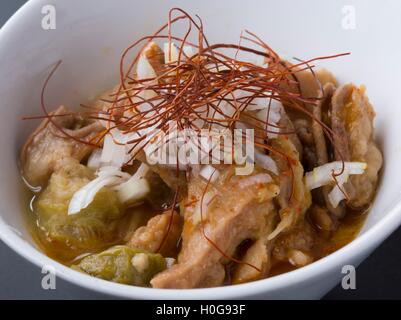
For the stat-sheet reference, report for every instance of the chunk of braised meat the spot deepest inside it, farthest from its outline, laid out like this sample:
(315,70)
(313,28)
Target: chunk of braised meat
(324,148)
(294,198)
(285,122)
(317,148)
(173,179)
(295,246)
(320,113)
(352,122)
(48,149)
(321,218)
(320,86)
(225,219)
(258,254)
(161,234)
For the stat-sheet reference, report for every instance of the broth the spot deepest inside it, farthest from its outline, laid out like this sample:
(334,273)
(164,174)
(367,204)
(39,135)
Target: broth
(347,231)
(133,219)
(324,244)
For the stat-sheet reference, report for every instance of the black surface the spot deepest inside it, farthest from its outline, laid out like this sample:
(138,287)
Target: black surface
(378,277)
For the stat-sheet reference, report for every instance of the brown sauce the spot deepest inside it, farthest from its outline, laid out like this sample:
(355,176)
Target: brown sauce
(324,244)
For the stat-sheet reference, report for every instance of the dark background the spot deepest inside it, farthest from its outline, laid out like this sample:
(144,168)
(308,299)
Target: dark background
(378,277)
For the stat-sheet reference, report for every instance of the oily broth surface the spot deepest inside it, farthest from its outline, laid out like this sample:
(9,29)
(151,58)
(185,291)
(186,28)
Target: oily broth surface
(69,256)
(347,230)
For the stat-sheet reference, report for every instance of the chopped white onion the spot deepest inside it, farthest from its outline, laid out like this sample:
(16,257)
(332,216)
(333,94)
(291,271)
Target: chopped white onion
(263,103)
(260,178)
(170,262)
(133,190)
(144,69)
(227,111)
(84,196)
(265,162)
(272,115)
(298,258)
(283,224)
(140,261)
(209,173)
(171,53)
(189,51)
(113,153)
(129,188)
(337,194)
(136,187)
(322,175)
(95,159)
(112,171)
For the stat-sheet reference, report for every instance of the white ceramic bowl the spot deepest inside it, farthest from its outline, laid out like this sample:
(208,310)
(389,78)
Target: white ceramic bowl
(89,38)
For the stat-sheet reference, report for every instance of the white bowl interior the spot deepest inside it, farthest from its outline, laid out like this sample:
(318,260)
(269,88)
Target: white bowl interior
(91,35)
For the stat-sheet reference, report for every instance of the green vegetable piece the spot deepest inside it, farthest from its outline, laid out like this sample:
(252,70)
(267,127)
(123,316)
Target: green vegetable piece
(88,229)
(123,264)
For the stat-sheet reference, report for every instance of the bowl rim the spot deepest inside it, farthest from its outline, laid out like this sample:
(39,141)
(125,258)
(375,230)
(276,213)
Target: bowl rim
(364,242)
